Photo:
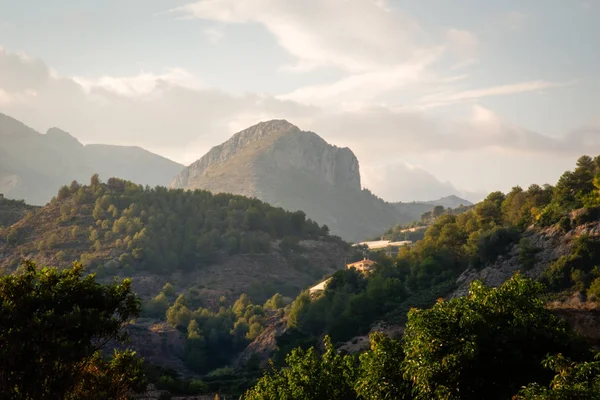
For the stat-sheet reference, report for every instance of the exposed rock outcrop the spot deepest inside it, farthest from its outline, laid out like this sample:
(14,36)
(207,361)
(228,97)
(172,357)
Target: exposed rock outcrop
(550,243)
(287,147)
(278,163)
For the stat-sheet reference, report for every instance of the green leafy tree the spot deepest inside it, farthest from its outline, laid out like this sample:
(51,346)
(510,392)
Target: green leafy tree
(485,345)
(309,377)
(573,381)
(380,376)
(274,303)
(54,323)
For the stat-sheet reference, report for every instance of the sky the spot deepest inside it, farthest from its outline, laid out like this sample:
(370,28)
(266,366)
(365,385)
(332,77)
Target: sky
(435,97)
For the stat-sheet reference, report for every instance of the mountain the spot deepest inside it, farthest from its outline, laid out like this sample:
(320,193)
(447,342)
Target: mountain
(278,163)
(227,243)
(34,165)
(181,249)
(449,202)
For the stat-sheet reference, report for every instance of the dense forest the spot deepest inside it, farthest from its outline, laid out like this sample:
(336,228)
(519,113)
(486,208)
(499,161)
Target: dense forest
(454,242)
(161,230)
(495,343)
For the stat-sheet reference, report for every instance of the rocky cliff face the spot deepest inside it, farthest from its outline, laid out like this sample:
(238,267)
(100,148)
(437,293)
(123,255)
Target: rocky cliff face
(551,244)
(278,163)
(288,148)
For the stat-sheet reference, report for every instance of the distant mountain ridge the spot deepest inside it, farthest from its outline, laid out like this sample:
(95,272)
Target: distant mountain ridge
(452,201)
(34,165)
(280,164)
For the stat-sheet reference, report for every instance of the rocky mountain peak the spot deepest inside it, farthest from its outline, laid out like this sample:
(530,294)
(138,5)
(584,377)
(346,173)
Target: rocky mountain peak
(283,146)
(61,137)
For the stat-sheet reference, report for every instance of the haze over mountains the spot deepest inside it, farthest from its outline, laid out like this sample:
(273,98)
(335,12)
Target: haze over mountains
(273,161)
(33,166)
(278,163)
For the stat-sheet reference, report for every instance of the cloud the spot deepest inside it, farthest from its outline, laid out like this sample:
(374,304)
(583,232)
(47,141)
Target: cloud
(366,86)
(173,114)
(464,43)
(325,33)
(141,84)
(399,181)
(452,96)
(214,34)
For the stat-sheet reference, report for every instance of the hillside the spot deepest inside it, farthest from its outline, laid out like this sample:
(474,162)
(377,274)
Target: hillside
(449,202)
(58,158)
(181,249)
(278,163)
(12,211)
(548,233)
(224,242)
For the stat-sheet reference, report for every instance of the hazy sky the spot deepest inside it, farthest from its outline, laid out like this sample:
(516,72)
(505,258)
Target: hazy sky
(434,96)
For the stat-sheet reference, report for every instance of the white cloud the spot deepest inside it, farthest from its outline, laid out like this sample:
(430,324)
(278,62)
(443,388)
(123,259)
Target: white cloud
(464,43)
(173,115)
(357,36)
(364,87)
(400,181)
(214,34)
(141,84)
(453,96)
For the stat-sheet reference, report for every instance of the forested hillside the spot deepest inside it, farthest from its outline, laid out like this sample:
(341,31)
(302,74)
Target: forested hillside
(474,239)
(278,163)
(120,228)
(12,211)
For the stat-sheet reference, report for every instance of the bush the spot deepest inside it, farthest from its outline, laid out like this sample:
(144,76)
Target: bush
(587,215)
(496,242)
(527,254)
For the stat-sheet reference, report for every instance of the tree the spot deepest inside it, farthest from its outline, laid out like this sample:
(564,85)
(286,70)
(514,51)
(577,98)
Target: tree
(95,181)
(54,323)
(380,376)
(579,381)
(309,377)
(274,303)
(485,345)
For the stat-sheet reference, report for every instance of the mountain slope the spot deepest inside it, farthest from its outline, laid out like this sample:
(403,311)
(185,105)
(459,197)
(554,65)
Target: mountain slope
(209,248)
(278,163)
(229,244)
(450,202)
(33,166)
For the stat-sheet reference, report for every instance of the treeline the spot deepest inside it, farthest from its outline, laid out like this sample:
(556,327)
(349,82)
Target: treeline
(125,225)
(12,210)
(213,337)
(475,238)
(491,344)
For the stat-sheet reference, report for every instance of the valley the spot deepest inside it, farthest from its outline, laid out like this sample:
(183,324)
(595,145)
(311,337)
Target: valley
(223,278)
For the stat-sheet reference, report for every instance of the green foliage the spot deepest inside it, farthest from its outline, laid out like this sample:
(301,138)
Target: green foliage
(162,230)
(527,254)
(54,323)
(380,374)
(309,376)
(213,337)
(573,380)
(577,270)
(274,303)
(485,345)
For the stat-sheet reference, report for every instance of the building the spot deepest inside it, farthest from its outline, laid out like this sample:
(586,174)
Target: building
(363,265)
(319,287)
(383,244)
